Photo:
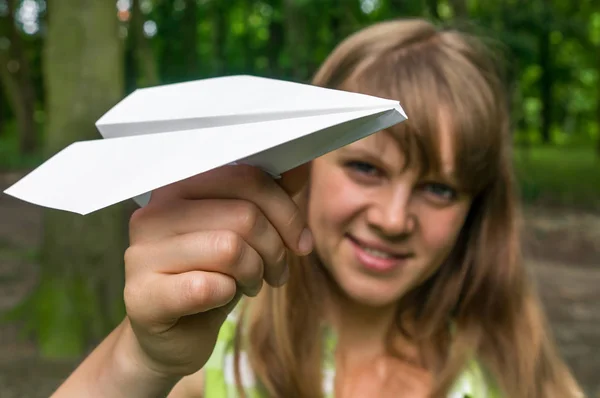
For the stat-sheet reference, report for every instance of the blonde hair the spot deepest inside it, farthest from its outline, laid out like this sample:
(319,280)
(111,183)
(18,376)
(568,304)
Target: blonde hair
(482,288)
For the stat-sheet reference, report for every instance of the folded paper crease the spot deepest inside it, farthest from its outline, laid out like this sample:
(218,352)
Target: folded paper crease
(90,175)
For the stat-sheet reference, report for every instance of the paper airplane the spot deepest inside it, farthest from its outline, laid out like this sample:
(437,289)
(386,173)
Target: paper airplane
(160,135)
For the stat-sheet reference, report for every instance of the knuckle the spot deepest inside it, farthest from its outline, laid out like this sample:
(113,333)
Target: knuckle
(230,246)
(195,290)
(136,221)
(132,296)
(132,257)
(141,221)
(249,217)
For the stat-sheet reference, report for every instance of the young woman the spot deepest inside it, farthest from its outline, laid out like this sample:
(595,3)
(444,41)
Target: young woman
(408,282)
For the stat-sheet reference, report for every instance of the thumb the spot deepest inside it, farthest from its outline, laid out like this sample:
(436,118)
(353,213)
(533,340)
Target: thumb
(294,180)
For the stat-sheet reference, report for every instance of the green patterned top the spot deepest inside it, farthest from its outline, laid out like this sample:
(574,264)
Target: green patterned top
(219,380)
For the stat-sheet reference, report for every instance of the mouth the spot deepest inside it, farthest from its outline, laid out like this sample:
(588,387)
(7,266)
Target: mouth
(379,250)
(377,257)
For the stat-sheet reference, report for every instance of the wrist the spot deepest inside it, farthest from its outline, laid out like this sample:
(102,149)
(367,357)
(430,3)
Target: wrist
(130,374)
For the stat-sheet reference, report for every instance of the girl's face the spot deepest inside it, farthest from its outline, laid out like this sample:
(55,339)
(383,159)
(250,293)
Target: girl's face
(379,228)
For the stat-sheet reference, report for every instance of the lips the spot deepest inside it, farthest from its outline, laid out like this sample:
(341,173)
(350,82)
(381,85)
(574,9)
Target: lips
(379,250)
(378,258)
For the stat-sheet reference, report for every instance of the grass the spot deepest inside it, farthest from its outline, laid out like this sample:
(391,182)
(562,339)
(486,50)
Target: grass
(559,176)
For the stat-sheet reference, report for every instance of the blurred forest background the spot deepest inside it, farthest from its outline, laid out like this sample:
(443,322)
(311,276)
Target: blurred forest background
(64,63)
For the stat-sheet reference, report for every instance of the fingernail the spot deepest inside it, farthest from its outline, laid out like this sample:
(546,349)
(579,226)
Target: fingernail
(285,276)
(306,241)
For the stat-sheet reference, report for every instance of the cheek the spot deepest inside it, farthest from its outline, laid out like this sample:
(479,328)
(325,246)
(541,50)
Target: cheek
(333,200)
(440,229)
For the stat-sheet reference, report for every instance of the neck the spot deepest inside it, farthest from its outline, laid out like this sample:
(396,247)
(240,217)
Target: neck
(362,330)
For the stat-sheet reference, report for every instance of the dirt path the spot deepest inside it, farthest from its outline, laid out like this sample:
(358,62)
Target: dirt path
(563,249)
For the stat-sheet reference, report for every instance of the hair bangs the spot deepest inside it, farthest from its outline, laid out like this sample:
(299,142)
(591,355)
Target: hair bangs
(442,92)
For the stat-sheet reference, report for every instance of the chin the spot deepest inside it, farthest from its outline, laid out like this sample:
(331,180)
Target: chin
(370,293)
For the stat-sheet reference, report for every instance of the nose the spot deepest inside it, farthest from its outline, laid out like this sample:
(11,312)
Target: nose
(390,214)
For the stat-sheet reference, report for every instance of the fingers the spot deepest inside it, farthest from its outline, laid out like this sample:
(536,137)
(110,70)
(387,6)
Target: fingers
(250,184)
(194,292)
(202,242)
(222,252)
(294,180)
(163,299)
(241,217)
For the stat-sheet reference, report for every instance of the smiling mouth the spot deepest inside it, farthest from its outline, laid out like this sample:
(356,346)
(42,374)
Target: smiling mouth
(380,252)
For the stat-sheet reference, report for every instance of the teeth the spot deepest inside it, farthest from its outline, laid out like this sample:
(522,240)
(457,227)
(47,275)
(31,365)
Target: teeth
(377,253)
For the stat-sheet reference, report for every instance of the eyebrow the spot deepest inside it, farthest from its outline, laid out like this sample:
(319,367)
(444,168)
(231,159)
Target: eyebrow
(370,153)
(449,172)
(348,150)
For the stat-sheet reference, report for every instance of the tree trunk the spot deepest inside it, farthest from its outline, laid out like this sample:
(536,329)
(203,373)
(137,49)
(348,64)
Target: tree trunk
(16,79)
(80,294)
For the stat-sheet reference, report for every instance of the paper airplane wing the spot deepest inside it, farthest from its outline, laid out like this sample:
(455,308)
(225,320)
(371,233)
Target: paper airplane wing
(90,175)
(225,101)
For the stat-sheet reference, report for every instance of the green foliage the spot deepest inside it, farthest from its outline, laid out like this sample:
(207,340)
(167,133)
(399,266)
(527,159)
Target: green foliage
(289,39)
(62,316)
(10,158)
(556,176)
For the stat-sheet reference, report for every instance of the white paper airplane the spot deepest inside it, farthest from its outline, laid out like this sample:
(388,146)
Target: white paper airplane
(160,135)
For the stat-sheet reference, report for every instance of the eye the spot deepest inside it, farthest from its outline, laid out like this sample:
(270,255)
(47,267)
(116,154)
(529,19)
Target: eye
(363,167)
(440,191)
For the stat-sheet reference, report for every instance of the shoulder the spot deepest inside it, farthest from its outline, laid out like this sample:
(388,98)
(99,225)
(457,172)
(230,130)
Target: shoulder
(224,346)
(216,377)
(219,371)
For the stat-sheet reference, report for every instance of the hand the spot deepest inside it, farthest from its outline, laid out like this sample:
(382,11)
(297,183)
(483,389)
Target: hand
(387,377)
(196,248)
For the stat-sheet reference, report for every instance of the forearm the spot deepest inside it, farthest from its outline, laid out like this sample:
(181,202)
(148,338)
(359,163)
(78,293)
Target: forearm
(114,370)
